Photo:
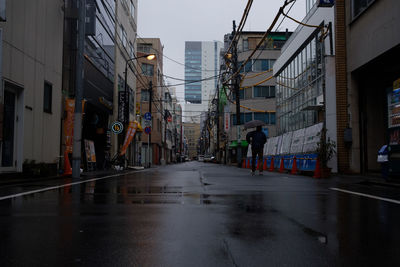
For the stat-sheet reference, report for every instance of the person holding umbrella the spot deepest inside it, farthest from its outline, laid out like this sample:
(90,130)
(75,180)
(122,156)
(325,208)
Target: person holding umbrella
(257,139)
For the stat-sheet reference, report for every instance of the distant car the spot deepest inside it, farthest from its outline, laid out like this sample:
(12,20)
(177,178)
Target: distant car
(208,158)
(201,158)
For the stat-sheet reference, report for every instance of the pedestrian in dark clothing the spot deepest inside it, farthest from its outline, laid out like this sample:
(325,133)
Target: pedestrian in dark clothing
(257,139)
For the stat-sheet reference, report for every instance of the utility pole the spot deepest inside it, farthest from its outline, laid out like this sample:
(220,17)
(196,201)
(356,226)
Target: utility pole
(76,149)
(217,121)
(151,121)
(236,89)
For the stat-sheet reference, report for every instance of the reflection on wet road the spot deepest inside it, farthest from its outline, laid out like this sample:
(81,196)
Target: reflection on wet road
(198,214)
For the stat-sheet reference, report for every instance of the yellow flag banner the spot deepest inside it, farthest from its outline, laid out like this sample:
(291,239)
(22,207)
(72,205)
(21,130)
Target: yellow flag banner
(130,133)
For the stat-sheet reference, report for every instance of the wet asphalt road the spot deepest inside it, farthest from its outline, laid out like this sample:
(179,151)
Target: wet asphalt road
(199,214)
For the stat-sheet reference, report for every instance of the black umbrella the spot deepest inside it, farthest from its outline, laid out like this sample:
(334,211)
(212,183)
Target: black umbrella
(254,123)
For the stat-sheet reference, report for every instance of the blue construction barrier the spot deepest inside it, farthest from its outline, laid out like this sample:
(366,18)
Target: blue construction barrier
(305,162)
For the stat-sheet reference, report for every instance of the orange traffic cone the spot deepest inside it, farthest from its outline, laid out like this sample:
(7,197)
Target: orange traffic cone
(317,172)
(271,167)
(67,165)
(294,166)
(258,164)
(282,167)
(248,164)
(243,163)
(265,164)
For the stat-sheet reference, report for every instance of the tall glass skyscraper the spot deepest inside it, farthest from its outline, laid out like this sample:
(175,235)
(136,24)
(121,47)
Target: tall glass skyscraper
(193,72)
(202,61)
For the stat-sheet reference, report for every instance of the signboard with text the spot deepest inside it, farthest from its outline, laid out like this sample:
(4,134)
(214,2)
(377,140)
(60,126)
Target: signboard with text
(227,122)
(326,3)
(121,106)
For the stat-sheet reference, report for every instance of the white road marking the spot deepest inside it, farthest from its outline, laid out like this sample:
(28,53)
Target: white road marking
(366,195)
(62,186)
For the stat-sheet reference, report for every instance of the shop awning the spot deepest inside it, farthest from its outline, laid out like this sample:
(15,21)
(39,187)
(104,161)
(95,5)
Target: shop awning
(234,144)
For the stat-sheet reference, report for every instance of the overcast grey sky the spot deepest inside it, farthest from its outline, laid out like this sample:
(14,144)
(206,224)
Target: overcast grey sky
(177,21)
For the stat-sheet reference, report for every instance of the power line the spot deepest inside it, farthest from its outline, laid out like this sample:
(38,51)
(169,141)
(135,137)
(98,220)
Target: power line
(287,2)
(173,60)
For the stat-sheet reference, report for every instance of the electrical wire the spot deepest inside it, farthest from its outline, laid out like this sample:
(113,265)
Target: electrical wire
(287,2)
(241,25)
(277,28)
(173,60)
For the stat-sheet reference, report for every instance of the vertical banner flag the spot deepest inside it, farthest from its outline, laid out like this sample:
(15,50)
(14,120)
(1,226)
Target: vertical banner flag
(130,133)
(227,119)
(69,122)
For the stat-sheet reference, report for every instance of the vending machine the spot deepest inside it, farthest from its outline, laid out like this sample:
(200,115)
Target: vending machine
(394,129)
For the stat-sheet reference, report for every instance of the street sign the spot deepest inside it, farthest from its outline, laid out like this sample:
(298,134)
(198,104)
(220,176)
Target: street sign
(147,130)
(117,127)
(326,3)
(147,116)
(147,123)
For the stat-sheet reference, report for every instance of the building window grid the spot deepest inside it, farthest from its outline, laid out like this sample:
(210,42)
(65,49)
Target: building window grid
(358,6)
(132,9)
(305,73)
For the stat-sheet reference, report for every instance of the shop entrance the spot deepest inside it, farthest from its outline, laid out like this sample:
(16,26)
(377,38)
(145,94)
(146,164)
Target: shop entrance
(374,81)
(95,127)
(11,134)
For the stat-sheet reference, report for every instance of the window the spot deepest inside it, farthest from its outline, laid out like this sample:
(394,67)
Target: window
(131,50)
(247,67)
(147,69)
(264,91)
(123,35)
(261,91)
(266,118)
(245,44)
(360,5)
(241,95)
(234,121)
(272,118)
(145,95)
(47,97)
(260,65)
(259,116)
(248,117)
(248,93)
(132,9)
(271,91)
(144,48)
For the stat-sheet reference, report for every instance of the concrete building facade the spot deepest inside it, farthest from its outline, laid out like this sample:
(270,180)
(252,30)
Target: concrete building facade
(30,92)
(371,48)
(192,135)
(258,86)
(306,78)
(151,71)
(106,52)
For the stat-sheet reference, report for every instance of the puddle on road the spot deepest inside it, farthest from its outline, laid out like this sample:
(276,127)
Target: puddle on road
(156,195)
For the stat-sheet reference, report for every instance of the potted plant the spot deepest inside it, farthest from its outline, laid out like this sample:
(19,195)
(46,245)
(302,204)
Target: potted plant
(326,149)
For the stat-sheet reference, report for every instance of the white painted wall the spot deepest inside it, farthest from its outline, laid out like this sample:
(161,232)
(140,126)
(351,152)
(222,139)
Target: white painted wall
(32,49)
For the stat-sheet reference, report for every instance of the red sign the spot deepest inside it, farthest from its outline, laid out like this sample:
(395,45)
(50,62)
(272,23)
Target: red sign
(147,130)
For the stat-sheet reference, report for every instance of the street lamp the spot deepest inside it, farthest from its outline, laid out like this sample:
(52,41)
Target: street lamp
(126,109)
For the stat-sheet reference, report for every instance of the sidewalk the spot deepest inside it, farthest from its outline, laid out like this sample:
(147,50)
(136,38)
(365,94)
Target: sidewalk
(372,180)
(18,178)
